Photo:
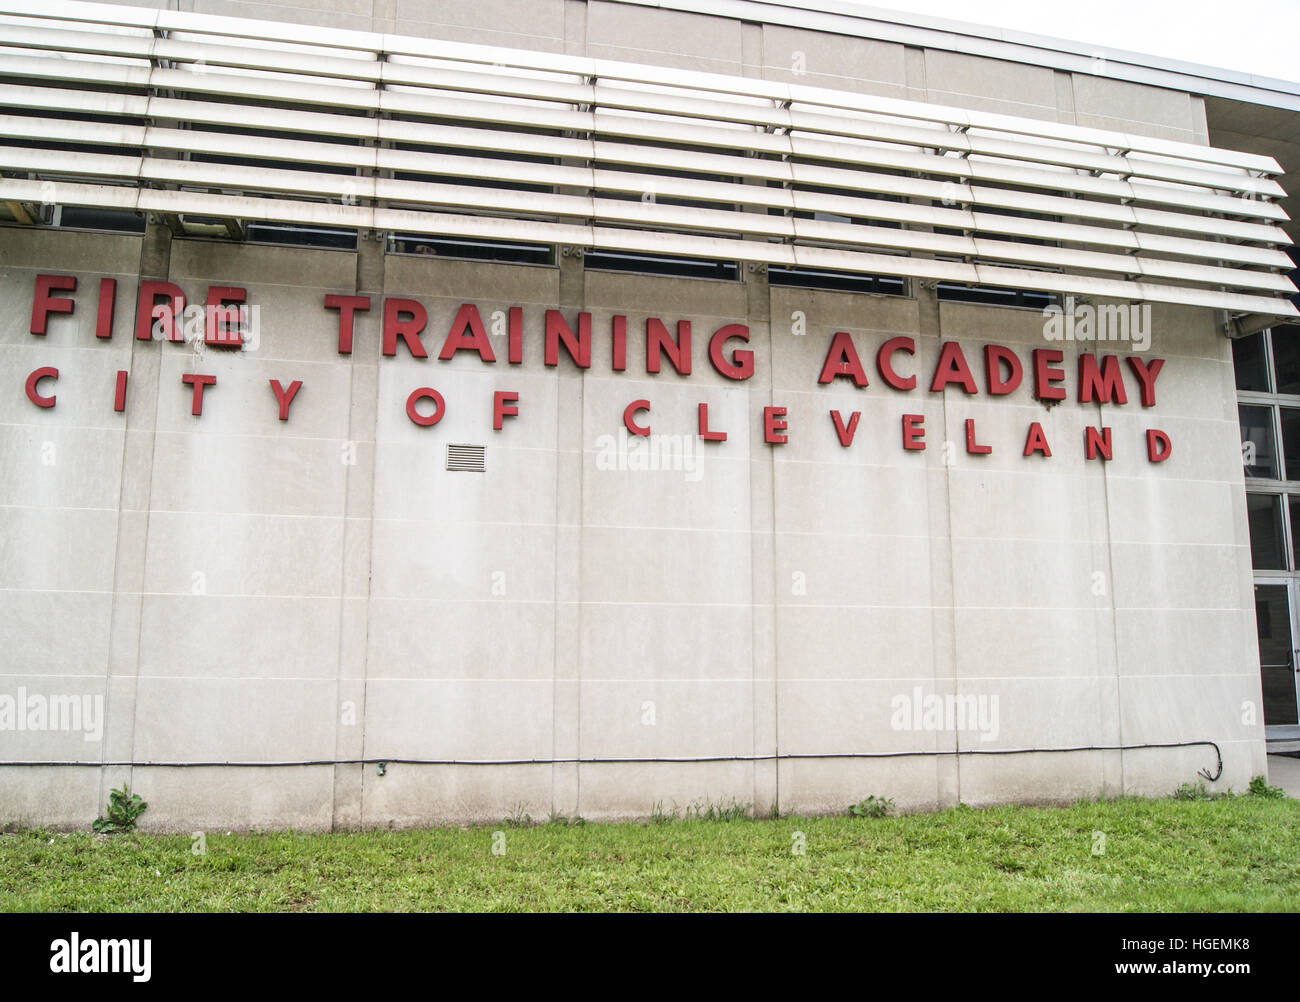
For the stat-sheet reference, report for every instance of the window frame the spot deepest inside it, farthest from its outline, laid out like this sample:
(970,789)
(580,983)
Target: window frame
(1279,487)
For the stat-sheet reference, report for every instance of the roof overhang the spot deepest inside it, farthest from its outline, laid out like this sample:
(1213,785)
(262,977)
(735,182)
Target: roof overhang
(182,115)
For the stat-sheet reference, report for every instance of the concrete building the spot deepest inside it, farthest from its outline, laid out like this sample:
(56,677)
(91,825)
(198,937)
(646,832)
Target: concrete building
(368,365)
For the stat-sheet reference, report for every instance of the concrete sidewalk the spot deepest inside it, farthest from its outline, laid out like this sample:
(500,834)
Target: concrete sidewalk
(1284,772)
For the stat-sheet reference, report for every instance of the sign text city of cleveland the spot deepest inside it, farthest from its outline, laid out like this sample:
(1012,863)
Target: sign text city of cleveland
(161,314)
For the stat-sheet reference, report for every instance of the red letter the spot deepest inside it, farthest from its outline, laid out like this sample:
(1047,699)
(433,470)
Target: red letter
(885,362)
(629,410)
(1103,385)
(913,432)
(407,330)
(773,422)
(107,298)
(1093,441)
(842,360)
(1157,438)
(618,350)
(974,448)
(44,304)
(457,340)
(217,329)
(705,434)
(1147,376)
(119,392)
(846,434)
(1045,375)
(285,397)
(346,305)
(994,356)
(657,339)
(44,372)
(557,330)
(198,382)
(1036,441)
(741,365)
(147,308)
(515,337)
(501,407)
(952,368)
(439,406)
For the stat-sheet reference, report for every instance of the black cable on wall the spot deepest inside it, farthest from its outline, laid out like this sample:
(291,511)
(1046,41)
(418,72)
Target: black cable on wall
(1204,773)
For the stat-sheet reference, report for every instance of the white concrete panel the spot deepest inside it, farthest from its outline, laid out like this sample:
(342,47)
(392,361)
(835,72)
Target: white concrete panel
(190,636)
(217,800)
(55,633)
(693,42)
(51,797)
(411,796)
(620,642)
(611,792)
(829,787)
(459,718)
(266,719)
(838,642)
(819,59)
(436,639)
(52,719)
(666,718)
(57,549)
(232,555)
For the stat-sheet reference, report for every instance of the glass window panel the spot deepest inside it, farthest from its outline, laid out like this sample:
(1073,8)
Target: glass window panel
(653,264)
(1264,513)
(1258,447)
(1293,502)
(1290,441)
(1286,358)
(1249,364)
(125,220)
(1276,655)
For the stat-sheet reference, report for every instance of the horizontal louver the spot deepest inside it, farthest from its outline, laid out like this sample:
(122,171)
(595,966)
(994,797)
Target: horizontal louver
(466,458)
(181,114)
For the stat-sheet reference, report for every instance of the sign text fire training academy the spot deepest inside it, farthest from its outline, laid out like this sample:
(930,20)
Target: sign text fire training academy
(161,310)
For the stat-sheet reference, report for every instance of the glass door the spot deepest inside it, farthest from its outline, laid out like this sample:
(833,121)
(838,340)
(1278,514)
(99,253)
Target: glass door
(1275,620)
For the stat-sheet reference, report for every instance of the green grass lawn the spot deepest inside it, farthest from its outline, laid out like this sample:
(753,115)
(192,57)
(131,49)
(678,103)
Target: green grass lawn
(1239,853)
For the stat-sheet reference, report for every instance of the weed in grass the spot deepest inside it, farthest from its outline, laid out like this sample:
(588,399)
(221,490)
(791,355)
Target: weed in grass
(1199,791)
(564,821)
(1259,788)
(873,807)
(1192,791)
(700,810)
(518,818)
(707,810)
(124,807)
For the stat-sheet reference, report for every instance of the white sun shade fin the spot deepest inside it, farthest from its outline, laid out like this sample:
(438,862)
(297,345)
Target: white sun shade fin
(162,111)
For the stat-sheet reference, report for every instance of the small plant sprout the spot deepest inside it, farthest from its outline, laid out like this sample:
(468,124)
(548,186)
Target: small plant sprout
(872,807)
(124,807)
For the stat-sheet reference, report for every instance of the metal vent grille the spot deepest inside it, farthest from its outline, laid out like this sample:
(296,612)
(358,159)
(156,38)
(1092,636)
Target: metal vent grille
(466,458)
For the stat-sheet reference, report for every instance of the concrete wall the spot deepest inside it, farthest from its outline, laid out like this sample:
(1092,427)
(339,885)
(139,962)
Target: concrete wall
(241,588)
(606,29)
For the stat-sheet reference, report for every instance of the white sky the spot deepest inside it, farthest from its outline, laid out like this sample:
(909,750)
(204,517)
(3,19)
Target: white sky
(1251,36)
